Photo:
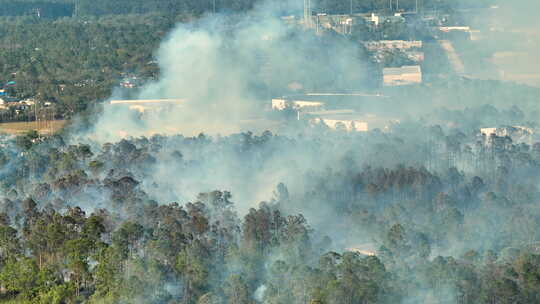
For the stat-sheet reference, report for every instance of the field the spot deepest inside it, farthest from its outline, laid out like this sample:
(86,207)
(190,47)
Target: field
(43,127)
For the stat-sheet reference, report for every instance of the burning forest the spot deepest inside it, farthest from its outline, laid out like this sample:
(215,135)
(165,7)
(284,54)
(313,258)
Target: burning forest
(204,186)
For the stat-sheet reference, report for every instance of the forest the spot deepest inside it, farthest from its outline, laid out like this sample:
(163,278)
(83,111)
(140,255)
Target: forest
(77,8)
(75,63)
(429,210)
(446,215)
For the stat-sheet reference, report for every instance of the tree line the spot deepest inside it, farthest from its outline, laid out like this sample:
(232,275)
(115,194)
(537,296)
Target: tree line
(78,8)
(451,216)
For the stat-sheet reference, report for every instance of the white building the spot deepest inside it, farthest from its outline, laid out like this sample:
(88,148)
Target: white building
(344,119)
(448,29)
(404,75)
(143,105)
(349,120)
(392,44)
(281,104)
(342,122)
(368,249)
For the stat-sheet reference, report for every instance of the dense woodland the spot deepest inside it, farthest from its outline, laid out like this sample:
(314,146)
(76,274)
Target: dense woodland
(63,8)
(73,62)
(448,214)
(452,215)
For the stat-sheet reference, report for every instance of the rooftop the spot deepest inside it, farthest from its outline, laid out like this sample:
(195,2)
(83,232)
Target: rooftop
(148,101)
(407,69)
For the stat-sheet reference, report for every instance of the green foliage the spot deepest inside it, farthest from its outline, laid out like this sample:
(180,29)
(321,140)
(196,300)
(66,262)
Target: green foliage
(124,246)
(20,276)
(25,141)
(75,77)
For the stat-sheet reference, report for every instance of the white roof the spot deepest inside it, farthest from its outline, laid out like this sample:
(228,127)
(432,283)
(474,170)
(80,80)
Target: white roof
(407,69)
(331,112)
(148,101)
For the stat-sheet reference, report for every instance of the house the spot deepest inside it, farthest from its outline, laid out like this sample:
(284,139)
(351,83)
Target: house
(404,75)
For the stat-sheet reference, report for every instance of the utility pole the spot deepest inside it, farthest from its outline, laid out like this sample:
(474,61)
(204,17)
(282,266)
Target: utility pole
(214,6)
(36,115)
(351,7)
(307,13)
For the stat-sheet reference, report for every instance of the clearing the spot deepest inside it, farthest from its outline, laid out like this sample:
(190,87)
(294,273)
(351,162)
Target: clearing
(43,127)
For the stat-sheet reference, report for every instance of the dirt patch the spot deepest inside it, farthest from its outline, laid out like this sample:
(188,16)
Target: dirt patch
(43,127)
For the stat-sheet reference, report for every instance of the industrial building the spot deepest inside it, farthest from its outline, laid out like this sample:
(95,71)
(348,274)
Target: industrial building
(365,102)
(343,23)
(448,29)
(298,105)
(348,120)
(392,44)
(344,122)
(404,75)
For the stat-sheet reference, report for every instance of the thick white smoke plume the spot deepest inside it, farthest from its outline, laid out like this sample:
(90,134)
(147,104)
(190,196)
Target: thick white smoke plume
(227,67)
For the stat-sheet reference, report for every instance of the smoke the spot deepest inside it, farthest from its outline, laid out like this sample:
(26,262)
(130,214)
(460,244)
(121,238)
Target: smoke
(228,68)
(448,186)
(259,293)
(505,42)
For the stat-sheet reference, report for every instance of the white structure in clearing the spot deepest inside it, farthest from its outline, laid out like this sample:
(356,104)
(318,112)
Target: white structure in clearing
(448,29)
(348,120)
(143,105)
(404,75)
(281,104)
(343,122)
(364,249)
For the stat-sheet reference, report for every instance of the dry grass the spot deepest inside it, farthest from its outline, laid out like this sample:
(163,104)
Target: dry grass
(42,127)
